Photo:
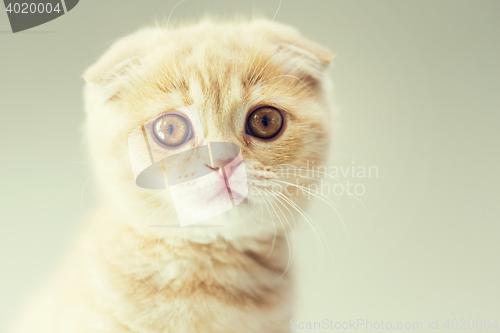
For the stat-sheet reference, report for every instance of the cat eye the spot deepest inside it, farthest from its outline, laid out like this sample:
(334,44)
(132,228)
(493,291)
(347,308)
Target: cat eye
(171,130)
(265,122)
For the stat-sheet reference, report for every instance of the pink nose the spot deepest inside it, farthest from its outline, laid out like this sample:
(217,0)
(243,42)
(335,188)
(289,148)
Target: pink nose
(221,166)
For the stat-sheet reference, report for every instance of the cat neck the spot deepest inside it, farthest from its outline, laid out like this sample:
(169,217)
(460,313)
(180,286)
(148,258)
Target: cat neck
(154,260)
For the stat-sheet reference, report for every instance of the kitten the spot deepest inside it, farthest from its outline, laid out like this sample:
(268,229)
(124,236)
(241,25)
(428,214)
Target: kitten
(126,276)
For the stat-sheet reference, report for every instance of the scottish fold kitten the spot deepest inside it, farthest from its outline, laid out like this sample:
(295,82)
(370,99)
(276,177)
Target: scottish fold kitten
(258,85)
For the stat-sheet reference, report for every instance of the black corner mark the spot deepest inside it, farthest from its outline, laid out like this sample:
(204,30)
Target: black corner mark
(26,14)
(70,4)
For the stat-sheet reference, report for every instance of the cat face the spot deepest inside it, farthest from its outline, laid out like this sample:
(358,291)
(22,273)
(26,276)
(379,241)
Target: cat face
(260,86)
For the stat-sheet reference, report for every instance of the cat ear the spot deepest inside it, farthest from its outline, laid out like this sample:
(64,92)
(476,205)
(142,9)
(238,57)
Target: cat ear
(121,59)
(306,48)
(299,51)
(321,52)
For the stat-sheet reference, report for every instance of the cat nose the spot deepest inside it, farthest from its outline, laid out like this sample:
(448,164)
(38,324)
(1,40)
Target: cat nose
(220,165)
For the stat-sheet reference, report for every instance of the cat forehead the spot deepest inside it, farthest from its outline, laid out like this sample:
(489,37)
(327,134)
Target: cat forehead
(219,68)
(221,77)
(214,65)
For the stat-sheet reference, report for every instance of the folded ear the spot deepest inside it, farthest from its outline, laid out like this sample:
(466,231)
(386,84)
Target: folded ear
(321,52)
(299,50)
(121,58)
(304,46)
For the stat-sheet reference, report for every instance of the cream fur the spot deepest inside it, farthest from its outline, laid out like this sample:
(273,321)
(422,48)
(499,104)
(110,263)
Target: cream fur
(124,276)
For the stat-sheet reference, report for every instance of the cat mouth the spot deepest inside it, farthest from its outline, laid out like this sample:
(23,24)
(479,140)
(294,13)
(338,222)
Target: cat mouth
(223,192)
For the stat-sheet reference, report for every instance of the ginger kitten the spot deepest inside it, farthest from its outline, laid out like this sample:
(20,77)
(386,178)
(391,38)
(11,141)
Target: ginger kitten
(259,85)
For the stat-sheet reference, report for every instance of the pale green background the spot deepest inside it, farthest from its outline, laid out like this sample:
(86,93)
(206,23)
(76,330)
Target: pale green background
(417,84)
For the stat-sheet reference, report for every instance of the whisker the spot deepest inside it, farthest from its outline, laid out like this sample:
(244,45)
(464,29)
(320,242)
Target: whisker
(339,183)
(306,215)
(310,193)
(282,225)
(274,226)
(171,12)
(313,226)
(261,37)
(267,63)
(291,253)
